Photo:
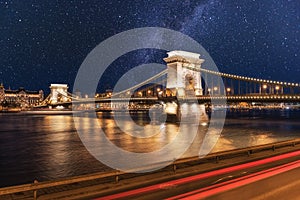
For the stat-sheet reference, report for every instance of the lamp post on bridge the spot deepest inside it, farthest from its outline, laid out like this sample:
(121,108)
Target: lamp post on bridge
(215,90)
(140,94)
(208,91)
(149,92)
(277,89)
(228,90)
(265,87)
(159,92)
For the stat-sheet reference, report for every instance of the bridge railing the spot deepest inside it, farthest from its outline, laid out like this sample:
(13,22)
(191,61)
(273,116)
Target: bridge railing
(253,97)
(115,173)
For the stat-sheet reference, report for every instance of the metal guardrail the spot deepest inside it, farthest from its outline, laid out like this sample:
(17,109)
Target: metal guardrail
(115,173)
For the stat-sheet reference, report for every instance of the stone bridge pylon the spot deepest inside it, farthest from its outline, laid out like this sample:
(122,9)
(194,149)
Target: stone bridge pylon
(59,93)
(184,77)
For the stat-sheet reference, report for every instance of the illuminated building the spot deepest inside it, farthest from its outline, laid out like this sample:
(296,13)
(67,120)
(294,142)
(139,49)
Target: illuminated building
(20,98)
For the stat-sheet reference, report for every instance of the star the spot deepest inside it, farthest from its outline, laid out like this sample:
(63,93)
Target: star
(242,37)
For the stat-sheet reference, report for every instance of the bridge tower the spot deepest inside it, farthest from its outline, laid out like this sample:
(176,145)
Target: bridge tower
(59,93)
(184,78)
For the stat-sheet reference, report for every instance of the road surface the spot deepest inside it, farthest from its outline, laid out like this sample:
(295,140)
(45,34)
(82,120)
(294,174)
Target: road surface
(275,177)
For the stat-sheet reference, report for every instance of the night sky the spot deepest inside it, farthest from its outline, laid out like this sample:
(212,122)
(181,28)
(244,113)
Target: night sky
(43,42)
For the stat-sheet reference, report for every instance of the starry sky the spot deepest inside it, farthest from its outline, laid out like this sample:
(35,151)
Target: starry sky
(43,42)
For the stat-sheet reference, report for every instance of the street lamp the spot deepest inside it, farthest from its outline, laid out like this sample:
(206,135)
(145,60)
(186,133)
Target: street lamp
(265,88)
(149,92)
(277,89)
(208,90)
(215,90)
(228,90)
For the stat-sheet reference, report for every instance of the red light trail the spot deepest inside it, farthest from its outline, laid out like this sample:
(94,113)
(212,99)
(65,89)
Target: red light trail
(238,182)
(200,176)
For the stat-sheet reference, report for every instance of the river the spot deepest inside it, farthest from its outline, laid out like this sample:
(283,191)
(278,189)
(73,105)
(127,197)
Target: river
(49,147)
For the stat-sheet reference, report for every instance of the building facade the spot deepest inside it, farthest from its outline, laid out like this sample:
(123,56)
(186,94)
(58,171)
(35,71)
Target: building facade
(20,98)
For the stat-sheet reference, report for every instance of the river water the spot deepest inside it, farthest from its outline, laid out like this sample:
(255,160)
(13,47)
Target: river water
(49,147)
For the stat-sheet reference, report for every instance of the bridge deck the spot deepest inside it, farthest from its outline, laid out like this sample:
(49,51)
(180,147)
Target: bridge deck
(201,99)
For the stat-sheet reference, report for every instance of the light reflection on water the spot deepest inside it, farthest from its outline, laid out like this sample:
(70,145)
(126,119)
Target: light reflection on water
(48,147)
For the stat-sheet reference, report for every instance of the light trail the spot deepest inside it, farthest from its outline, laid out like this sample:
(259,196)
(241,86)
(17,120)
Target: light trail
(199,176)
(238,182)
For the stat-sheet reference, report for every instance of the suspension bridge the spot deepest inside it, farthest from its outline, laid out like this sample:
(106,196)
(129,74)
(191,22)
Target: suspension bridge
(183,79)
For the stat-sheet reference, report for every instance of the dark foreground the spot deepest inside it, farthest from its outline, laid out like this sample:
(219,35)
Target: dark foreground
(167,182)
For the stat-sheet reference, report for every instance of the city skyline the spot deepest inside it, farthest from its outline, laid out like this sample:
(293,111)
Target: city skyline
(44,43)
(149,99)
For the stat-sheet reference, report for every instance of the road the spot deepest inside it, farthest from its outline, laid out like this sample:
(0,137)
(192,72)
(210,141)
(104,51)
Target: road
(263,179)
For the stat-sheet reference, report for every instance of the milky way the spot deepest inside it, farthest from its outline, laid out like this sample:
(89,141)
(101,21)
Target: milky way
(43,42)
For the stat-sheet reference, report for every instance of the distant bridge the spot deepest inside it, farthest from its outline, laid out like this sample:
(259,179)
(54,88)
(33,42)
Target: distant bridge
(183,79)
